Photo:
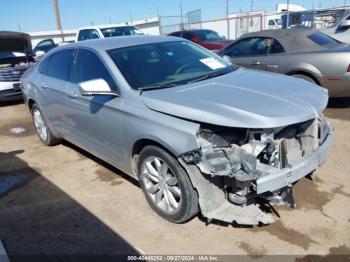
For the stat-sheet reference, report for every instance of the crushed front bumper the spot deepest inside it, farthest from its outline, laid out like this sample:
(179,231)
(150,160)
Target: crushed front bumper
(280,178)
(214,199)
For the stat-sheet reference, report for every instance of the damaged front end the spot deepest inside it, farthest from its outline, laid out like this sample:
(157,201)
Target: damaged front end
(236,168)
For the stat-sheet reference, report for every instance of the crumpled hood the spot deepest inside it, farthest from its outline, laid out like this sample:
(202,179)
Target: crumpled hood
(244,98)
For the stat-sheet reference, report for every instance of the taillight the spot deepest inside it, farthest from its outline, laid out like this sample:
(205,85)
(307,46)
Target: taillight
(348,69)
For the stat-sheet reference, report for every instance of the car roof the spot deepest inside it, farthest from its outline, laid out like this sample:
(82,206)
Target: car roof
(119,42)
(103,26)
(292,40)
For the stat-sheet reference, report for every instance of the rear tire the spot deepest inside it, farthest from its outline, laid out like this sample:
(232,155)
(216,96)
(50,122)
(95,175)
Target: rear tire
(166,185)
(41,127)
(305,77)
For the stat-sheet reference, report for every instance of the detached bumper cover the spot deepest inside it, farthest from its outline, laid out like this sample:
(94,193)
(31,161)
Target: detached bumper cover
(277,178)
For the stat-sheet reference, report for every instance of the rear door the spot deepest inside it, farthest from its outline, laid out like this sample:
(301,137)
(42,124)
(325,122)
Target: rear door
(53,83)
(94,121)
(249,52)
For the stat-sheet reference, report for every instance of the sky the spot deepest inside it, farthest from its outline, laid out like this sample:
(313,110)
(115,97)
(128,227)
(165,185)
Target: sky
(38,15)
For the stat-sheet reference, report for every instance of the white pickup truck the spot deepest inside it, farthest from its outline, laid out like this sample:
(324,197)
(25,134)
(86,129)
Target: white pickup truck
(96,32)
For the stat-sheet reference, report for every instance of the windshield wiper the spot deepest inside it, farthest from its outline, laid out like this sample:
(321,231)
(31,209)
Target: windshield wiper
(160,86)
(207,76)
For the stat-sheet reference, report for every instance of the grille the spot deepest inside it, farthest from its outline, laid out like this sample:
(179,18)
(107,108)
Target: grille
(12,74)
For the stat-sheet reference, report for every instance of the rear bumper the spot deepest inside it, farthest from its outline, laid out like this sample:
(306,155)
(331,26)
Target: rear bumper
(277,178)
(338,86)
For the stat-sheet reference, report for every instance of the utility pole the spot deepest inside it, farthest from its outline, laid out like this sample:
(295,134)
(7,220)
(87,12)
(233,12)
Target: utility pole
(58,18)
(159,22)
(130,15)
(182,18)
(287,14)
(228,20)
(345,3)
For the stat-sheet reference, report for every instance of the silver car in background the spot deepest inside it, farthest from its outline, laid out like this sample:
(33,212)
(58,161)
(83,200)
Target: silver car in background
(198,134)
(306,54)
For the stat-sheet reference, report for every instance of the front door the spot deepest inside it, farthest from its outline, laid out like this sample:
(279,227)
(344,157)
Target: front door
(95,121)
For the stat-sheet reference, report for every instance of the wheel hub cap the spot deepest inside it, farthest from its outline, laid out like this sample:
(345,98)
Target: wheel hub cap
(161,184)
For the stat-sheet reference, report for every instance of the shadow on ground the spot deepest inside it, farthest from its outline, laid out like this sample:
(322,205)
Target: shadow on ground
(41,219)
(11,103)
(338,108)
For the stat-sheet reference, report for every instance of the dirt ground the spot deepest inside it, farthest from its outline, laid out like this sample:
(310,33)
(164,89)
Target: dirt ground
(65,201)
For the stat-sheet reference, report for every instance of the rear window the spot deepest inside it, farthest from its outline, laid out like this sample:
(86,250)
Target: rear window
(321,39)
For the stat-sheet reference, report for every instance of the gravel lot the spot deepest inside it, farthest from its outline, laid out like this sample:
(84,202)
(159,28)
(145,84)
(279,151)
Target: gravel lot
(64,201)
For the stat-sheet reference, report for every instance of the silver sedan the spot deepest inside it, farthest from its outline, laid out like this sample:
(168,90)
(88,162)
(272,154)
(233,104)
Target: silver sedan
(306,54)
(199,134)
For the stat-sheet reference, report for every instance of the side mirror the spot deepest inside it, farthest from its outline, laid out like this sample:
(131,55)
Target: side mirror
(345,24)
(96,87)
(39,53)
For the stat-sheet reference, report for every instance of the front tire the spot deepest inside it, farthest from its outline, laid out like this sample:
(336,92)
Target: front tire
(166,185)
(42,129)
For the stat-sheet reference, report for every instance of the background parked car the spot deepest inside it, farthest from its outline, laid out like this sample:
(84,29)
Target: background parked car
(340,31)
(306,54)
(45,46)
(96,32)
(204,37)
(15,58)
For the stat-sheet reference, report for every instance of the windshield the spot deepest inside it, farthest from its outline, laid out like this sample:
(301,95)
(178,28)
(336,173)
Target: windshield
(167,63)
(208,35)
(120,31)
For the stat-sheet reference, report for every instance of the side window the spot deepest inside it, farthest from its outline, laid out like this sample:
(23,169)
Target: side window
(276,48)
(60,64)
(89,66)
(256,46)
(84,34)
(43,66)
(45,45)
(94,34)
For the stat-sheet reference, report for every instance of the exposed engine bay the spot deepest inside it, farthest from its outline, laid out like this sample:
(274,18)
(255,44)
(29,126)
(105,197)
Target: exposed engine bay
(248,165)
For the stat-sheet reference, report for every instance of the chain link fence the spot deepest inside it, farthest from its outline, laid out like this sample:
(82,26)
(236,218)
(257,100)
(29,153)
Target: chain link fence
(235,25)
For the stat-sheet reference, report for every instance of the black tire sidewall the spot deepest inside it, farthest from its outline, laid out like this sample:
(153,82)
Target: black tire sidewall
(189,201)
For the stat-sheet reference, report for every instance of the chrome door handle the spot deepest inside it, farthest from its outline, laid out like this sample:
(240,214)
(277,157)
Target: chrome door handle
(256,63)
(72,94)
(44,86)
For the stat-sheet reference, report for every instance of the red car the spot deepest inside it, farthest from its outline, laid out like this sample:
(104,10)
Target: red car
(204,37)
